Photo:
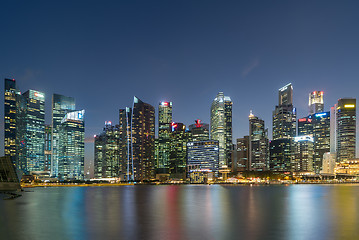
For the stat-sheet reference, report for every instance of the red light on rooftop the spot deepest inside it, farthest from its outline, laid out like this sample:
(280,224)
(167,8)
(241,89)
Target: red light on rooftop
(198,123)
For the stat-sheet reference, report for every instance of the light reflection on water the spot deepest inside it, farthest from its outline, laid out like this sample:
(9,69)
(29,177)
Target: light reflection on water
(184,212)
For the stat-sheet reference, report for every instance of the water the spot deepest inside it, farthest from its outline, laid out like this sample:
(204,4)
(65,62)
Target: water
(183,212)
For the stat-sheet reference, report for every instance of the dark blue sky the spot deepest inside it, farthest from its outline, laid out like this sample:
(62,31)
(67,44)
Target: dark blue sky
(102,53)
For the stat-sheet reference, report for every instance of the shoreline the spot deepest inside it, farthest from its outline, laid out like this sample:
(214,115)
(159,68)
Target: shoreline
(156,184)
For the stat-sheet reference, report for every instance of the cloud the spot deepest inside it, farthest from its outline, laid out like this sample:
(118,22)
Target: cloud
(250,67)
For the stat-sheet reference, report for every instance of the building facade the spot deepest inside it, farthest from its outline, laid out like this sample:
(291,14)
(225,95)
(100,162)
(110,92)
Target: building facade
(346,129)
(164,132)
(202,158)
(140,142)
(258,144)
(284,115)
(178,151)
(221,127)
(240,159)
(71,151)
(107,162)
(48,147)
(199,131)
(316,102)
(10,119)
(61,105)
(31,131)
(303,153)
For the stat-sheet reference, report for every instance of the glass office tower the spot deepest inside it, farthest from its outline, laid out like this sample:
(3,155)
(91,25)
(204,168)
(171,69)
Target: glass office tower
(107,147)
(258,144)
(178,147)
(48,146)
(284,130)
(316,102)
(31,131)
(164,131)
(10,119)
(141,165)
(221,127)
(199,131)
(61,105)
(72,145)
(303,153)
(346,129)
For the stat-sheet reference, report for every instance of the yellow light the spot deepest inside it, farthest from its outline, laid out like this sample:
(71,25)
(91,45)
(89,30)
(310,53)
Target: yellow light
(349,106)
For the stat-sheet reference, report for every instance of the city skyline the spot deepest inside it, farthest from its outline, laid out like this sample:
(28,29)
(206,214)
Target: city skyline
(186,62)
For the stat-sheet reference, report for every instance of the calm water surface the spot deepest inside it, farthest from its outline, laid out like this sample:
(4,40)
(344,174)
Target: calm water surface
(184,212)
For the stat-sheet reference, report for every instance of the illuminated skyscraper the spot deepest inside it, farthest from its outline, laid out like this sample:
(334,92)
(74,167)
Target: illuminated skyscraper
(141,142)
(48,146)
(241,157)
(31,131)
(321,135)
(284,115)
(10,119)
(221,127)
(60,106)
(199,131)
(284,130)
(318,126)
(305,126)
(303,153)
(99,146)
(72,146)
(164,131)
(346,129)
(179,138)
(107,162)
(316,103)
(281,156)
(202,159)
(125,150)
(258,144)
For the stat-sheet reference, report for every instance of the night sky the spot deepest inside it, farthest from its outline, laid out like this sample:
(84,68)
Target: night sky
(103,53)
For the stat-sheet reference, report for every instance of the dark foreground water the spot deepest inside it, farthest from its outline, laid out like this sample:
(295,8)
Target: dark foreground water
(184,212)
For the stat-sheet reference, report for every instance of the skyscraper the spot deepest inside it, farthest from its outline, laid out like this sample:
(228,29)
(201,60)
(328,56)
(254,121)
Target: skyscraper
(31,131)
(199,131)
(241,160)
(107,162)
(178,147)
(125,156)
(71,146)
(202,158)
(284,115)
(281,156)
(10,119)
(142,162)
(48,146)
(346,129)
(221,127)
(305,126)
(258,144)
(321,135)
(303,153)
(318,126)
(60,106)
(164,131)
(316,103)
(284,130)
